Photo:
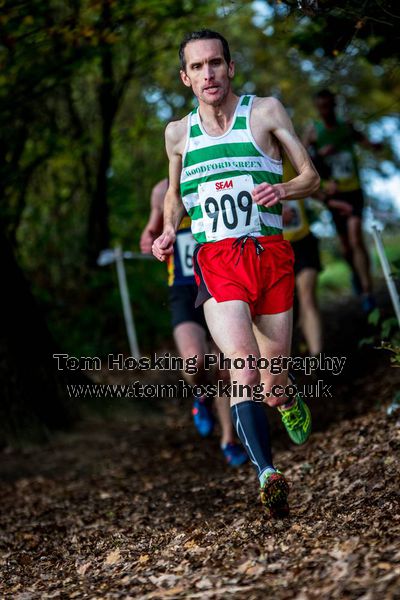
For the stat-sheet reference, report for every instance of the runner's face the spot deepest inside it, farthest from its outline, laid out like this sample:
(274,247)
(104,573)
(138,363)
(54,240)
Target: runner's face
(207,72)
(325,107)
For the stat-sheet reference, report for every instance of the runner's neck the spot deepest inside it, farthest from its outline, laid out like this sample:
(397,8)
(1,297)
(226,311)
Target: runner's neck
(216,120)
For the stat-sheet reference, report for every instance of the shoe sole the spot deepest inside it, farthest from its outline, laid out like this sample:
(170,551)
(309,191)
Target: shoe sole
(274,496)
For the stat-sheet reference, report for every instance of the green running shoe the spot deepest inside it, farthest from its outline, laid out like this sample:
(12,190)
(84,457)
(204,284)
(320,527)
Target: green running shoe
(297,421)
(273,494)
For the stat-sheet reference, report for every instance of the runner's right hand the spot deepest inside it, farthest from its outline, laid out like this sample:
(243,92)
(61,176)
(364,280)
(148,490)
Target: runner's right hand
(163,246)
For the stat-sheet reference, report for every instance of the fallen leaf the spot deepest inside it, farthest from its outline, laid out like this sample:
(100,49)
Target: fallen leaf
(83,568)
(204,584)
(113,557)
(143,559)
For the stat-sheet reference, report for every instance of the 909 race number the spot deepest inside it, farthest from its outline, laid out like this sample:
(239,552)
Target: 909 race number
(226,212)
(213,210)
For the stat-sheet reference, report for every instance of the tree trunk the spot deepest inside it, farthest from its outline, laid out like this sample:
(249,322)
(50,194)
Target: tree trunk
(34,397)
(98,226)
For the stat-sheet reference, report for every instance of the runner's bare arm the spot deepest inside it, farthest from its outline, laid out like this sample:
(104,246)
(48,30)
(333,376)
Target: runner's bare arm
(155,223)
(307,181)
(174,210)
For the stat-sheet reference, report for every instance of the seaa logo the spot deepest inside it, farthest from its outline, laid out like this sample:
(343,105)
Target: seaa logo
(223,185)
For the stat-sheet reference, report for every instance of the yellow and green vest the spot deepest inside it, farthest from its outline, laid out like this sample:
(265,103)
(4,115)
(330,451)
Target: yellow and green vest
(342,166)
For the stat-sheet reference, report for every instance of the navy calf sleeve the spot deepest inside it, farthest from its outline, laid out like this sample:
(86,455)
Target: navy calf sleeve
(251,423)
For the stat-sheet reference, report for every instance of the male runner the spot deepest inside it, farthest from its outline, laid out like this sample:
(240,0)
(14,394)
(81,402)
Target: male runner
(226,171)
(334,141)
(189,326)
(307,265)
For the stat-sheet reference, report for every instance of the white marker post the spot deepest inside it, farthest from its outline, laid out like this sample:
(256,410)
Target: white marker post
(107,257)
(389,276)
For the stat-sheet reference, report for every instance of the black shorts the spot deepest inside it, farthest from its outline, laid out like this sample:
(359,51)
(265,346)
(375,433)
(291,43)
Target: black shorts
(356,199)
(306,254)
(181,302)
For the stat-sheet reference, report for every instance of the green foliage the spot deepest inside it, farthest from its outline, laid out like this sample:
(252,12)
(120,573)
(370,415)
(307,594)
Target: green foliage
(72,69)
(394,348)
(331,26)
(374,317)
(388,327)
(386,335)
(335,276)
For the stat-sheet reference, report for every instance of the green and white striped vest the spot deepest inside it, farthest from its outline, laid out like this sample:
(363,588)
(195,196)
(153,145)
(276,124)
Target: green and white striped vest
(218,174)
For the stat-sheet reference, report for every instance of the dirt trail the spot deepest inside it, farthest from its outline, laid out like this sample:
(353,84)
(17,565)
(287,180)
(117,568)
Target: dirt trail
(143,509)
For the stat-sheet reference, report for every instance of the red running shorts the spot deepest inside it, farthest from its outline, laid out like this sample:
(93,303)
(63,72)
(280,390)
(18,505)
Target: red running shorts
(237,269)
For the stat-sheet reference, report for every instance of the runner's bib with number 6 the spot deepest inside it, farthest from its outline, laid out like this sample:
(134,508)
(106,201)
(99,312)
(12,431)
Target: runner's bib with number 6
(185,244)
(180,263)
(228,208)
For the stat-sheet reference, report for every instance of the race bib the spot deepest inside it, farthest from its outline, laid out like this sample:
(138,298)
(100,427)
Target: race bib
(186,243)
(342,166)
(228,208)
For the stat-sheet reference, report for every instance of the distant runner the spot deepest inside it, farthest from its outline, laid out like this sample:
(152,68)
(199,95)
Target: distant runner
(335,158)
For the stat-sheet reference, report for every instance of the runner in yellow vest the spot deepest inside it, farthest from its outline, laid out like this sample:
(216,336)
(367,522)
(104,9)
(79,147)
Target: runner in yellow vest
(307,264)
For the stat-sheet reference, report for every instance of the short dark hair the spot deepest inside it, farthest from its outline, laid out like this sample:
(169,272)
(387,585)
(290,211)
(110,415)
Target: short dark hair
(203,34)
(325,93)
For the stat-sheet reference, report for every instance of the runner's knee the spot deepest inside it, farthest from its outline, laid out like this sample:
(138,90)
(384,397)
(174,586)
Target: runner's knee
(245,376)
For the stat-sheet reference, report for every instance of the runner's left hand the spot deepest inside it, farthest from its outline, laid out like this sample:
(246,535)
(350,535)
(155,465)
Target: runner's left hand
(266,194)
